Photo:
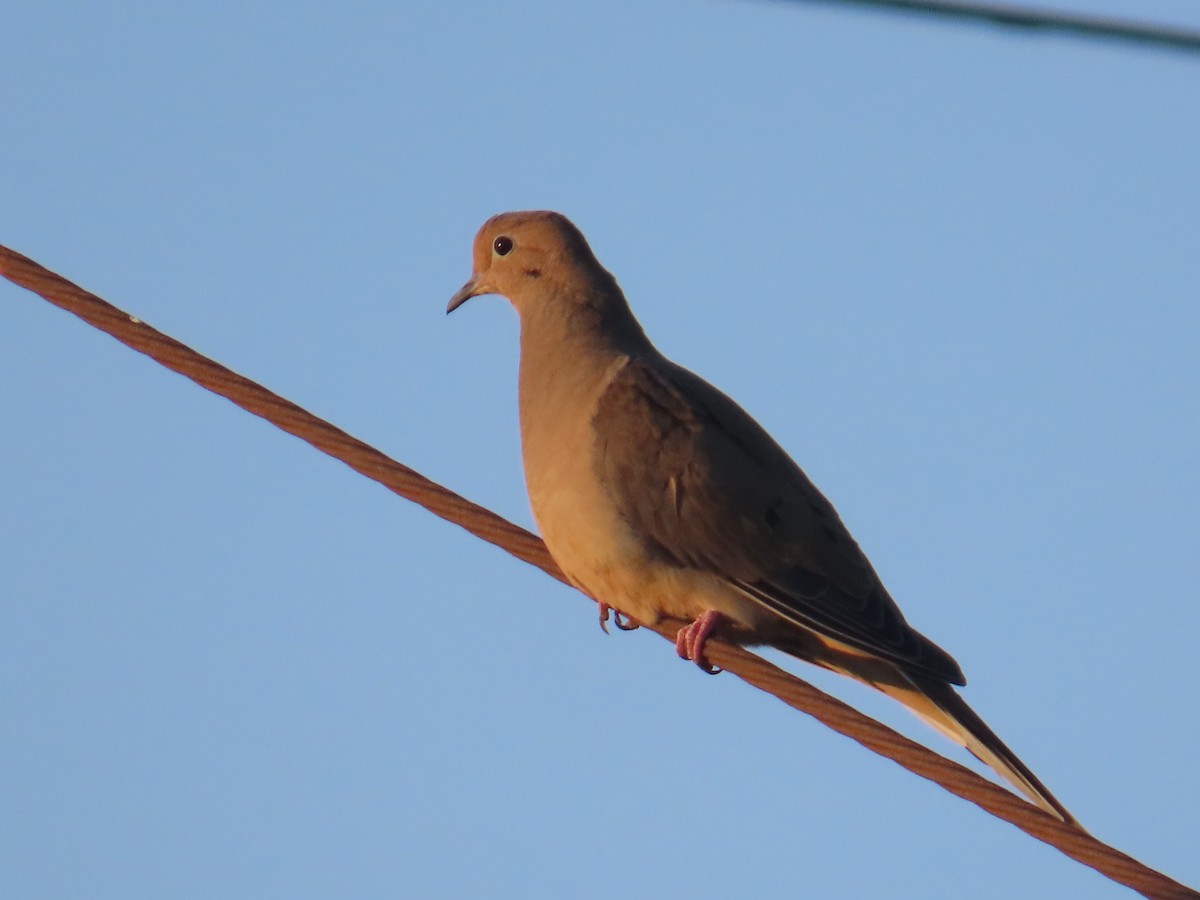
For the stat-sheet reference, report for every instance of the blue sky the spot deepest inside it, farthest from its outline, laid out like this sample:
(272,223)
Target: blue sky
(953,269)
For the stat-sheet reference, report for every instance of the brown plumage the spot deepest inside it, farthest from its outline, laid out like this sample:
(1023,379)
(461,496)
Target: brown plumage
(661,497)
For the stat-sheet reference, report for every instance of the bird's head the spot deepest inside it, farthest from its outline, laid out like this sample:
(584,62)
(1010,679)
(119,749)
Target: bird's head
(530,256)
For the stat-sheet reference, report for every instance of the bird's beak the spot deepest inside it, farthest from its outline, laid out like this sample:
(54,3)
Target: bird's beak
(471,289)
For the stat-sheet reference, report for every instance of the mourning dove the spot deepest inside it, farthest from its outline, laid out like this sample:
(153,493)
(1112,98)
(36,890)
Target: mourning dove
(660,497)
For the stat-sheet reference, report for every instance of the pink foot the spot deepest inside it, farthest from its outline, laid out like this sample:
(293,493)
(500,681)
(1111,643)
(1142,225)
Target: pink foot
(621,620)
(689,643)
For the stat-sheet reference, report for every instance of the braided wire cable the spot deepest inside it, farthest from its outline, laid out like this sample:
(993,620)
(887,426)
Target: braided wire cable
(754,670)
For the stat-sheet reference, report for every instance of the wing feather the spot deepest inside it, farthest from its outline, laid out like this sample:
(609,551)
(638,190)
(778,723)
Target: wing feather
(707,488)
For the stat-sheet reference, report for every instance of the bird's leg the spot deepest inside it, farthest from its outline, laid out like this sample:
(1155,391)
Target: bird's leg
(689,643)
(621,620)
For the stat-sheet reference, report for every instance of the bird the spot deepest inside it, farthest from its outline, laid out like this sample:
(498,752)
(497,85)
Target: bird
(661,498)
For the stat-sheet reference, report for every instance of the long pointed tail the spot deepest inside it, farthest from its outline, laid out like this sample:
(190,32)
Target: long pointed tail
(940,705)
(937,704)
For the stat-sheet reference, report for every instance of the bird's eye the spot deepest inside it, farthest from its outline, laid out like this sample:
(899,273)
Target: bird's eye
(502,245)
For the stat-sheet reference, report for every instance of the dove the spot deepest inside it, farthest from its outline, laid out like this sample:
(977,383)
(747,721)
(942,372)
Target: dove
(660,497)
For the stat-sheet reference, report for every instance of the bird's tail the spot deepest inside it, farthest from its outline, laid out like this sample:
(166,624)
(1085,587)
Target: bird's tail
(938,704)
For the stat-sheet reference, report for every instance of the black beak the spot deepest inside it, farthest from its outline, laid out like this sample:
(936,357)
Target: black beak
(465,293)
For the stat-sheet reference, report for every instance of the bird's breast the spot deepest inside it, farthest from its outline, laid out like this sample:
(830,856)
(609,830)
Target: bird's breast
(581,524)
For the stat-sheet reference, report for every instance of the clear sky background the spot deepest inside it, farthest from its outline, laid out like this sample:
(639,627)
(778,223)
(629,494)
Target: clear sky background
(952,268)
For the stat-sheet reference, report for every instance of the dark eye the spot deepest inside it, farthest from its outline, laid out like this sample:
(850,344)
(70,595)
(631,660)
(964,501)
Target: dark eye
(503,246)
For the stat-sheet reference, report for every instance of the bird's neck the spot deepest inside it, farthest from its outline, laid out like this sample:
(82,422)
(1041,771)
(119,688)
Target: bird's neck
(568,352)
(588,329)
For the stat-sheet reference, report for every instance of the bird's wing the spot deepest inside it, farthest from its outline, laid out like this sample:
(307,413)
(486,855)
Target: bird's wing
(705,486)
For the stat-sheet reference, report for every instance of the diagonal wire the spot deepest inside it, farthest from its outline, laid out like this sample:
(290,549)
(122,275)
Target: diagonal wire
(254,398)
(1034,19)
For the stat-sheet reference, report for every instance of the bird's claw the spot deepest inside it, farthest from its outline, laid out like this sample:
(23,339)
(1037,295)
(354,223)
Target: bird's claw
(690,641)
(622,621)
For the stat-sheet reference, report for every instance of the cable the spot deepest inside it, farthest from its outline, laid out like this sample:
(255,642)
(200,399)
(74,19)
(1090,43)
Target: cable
(1032,18)
(254,398)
